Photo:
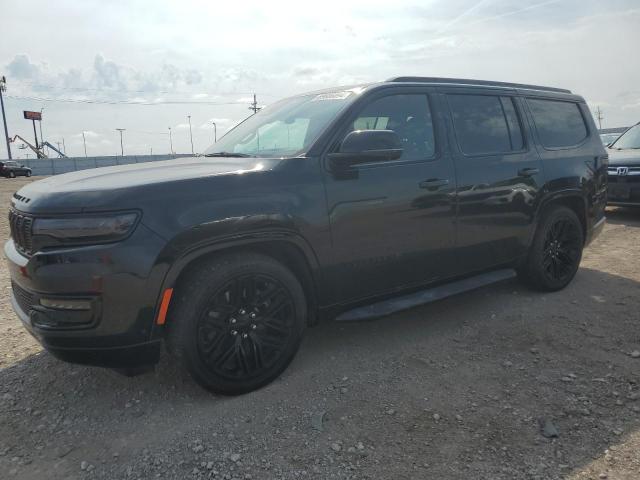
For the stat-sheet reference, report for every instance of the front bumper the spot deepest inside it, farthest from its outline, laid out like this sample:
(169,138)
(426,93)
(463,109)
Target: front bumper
(623,190)
(121,283)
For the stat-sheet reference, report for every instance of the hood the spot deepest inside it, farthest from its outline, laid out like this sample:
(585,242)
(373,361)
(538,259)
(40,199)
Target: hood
(102,187)
(624,158)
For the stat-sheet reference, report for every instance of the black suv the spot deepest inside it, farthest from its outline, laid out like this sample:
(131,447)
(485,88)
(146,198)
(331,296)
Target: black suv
(350,203)
(11,169)
(624,169)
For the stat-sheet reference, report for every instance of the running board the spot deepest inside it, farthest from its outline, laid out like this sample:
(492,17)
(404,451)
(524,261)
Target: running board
(405,302)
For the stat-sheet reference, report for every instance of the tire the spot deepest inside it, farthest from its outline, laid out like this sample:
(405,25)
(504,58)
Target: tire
(12,175)
(28,173)
(236,322)
(556,251)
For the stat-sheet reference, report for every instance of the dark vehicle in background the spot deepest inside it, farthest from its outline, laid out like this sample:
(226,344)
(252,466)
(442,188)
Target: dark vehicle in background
(346,203)
(624,169)
(11,169)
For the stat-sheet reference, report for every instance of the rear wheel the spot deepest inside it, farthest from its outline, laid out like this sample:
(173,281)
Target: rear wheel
(12,175)
(556,251)
(237,322)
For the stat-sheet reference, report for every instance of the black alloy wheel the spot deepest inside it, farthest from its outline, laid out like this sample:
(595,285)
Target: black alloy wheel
(236,322)
(246,326)
(555,252)
(562,249)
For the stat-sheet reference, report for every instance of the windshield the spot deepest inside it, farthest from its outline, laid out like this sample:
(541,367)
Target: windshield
(286,128)
(629,139)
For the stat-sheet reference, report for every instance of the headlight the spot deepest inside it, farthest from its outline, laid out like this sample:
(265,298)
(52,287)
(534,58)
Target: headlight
(103,227)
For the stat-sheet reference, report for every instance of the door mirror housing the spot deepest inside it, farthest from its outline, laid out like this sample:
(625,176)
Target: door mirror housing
(365,146)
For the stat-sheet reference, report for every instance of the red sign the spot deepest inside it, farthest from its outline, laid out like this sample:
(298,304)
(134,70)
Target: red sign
(32,115)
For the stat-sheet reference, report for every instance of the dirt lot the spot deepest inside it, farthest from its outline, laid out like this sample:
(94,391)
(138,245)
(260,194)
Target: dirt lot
(456,389)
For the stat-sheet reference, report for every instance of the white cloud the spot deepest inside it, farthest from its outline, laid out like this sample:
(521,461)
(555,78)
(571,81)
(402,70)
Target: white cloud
(221,53)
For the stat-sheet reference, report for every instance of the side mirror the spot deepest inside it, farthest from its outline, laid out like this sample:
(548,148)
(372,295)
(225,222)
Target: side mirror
(364,146)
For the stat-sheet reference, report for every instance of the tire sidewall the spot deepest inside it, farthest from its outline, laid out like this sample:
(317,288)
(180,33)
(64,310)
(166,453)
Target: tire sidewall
(195,297)
(535,263)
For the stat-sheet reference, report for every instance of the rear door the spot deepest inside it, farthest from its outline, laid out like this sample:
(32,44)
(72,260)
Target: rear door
(499,176)
(392,223)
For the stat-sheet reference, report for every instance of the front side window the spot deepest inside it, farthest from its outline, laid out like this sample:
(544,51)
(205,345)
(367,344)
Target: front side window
(485,124)
(629,139)
(407,115)
(559,124)
(286,128)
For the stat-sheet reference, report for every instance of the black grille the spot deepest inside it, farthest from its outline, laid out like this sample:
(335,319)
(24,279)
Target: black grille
(21,231)
(24,299)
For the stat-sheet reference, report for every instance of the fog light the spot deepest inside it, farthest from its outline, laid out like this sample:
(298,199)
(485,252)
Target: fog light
(62,304)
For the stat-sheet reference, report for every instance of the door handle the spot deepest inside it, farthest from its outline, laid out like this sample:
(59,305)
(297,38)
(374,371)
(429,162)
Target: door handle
(434,183)
(528,172)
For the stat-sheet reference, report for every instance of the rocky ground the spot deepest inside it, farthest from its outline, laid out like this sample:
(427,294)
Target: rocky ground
(500,383)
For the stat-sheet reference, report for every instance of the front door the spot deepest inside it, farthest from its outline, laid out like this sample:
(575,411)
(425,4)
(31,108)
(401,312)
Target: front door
(392,222)
(499,177)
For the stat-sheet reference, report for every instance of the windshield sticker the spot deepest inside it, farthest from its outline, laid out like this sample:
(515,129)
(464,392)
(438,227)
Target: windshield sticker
(331,96)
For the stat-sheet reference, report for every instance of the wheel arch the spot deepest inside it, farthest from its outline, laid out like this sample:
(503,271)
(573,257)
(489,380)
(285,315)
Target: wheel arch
(291,250)
(573,199)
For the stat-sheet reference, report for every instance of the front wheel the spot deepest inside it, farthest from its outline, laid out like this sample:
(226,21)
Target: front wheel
(237,322)
(556,251)
(28,173)
(12,175)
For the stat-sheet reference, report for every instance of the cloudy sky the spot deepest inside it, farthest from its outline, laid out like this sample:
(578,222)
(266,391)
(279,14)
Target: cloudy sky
(145,65)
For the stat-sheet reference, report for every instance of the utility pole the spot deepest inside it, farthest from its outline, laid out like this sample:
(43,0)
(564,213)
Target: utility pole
(599,116)
(121,144)
(215,132)
(64,147)
(40,124)
(58,143)
(84,140)
(3,88)
(254,105)
(191,135)
(170,142)
(35,134)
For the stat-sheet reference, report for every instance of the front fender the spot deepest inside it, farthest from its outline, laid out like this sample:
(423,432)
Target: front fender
(178,256)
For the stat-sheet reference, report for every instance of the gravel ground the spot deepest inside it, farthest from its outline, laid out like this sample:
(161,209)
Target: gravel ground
(500,383)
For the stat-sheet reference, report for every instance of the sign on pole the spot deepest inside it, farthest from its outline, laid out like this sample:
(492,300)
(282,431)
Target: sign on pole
(32,115)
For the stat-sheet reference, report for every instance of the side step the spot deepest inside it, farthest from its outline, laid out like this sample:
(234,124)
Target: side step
(397,304)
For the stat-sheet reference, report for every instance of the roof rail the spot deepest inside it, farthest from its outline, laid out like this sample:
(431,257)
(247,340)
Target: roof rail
(463,81)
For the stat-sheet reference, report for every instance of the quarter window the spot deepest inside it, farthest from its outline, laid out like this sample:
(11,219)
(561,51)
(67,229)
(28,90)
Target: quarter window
(485,124)
(559,124)
(407,115)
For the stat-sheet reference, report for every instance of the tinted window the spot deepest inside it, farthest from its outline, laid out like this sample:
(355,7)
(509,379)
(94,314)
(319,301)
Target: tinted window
(409,116)
(485,124)
(559,124)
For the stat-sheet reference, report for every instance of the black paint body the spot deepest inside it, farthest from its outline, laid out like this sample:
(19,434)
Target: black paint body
(386,228)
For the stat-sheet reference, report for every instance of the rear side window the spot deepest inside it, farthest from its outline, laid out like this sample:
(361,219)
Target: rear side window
(486,124)
(559,124)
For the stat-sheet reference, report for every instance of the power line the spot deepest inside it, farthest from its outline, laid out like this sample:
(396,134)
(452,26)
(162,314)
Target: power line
(121,102)
(109,90)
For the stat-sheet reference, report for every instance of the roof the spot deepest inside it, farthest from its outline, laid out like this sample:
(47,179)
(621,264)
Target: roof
(485,83)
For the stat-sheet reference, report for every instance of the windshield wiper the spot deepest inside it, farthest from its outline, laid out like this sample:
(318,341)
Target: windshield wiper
(229,154)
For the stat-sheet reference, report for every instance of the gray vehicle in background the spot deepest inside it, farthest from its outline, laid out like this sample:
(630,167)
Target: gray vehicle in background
(624,169)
